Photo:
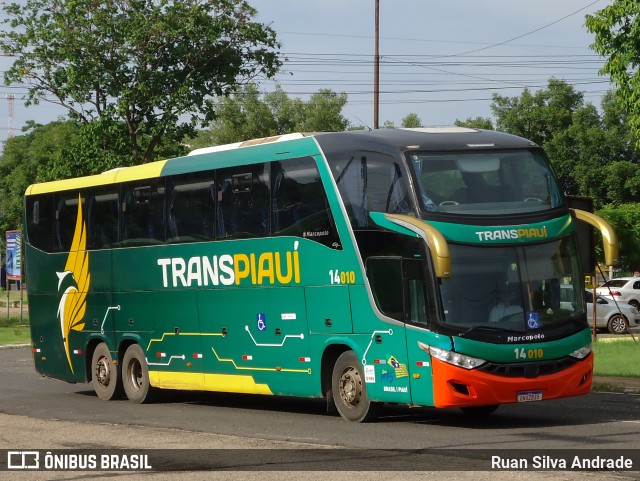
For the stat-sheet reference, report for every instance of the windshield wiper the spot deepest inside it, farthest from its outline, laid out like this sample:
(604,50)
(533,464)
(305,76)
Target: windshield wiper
(489,329)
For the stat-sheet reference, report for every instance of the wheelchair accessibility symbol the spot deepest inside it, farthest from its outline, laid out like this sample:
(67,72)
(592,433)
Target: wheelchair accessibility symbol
(261,321)
(533,320)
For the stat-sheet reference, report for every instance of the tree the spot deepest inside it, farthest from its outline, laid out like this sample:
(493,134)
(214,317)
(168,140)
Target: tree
(323,112)
(144,70)
(588,150)
(545,118)
(625,219)
(537,116)
(622,182)
(411,121)
(616,29)
(247,115)
(477,123)
(28,159)
(242,116)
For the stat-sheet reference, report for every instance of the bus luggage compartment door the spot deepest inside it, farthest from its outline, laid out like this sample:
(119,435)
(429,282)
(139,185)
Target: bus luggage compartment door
(329,309)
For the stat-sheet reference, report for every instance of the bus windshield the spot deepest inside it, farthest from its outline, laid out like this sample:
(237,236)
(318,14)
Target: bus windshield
(515,288)
(484,183)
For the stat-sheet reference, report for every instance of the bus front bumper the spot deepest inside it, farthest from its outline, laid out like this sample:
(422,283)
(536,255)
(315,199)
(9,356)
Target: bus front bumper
(457,387)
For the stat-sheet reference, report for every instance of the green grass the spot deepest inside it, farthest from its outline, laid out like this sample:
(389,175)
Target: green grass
(617,357)
(13,293)
(13,296)
(14,332)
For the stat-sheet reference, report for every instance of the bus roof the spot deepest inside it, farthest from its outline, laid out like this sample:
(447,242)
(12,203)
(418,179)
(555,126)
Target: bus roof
(299,144)
(425,139)
(246,143)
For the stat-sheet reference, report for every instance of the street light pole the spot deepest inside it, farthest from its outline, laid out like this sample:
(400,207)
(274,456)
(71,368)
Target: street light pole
(376,68)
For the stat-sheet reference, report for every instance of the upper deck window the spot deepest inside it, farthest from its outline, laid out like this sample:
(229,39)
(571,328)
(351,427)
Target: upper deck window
(300,206)
(484,183)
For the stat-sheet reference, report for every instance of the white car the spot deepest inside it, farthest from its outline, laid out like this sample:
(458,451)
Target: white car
(608,315)
(625,289)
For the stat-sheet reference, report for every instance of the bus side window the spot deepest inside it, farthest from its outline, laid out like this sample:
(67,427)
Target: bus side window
(191,207)
(415,291)
(370,182)
(243,201)
(299,205)
(102,218)
(66,212)
(385,278)
(399,288)
(143,213)
(40,223)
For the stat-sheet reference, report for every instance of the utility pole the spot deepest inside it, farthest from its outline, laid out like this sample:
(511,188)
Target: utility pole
(376,69)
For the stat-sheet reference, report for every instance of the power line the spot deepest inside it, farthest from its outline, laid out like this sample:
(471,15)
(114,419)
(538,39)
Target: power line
(413,39)
(525,34)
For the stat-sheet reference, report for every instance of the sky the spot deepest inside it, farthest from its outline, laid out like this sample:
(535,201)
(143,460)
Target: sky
(442,60)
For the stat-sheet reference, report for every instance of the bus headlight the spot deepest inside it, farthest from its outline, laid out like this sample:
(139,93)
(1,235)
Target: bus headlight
(453,358)
(582,352)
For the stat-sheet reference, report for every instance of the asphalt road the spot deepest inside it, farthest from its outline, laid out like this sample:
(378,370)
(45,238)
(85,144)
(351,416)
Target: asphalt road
(40,413)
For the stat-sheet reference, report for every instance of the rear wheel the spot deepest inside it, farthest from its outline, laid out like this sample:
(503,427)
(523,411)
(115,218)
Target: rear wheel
(617,324)
(105,375)
(135,375)
(635,303)
(350,391)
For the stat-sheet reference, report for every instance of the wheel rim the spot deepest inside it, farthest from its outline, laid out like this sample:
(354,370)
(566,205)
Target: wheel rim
(103,372)
(618,325)
(135,374)
(350,387)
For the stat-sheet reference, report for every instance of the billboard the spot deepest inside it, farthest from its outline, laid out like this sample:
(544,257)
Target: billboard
(14,255)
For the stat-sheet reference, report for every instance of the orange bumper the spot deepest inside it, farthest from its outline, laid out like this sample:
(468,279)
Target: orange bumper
(458,387)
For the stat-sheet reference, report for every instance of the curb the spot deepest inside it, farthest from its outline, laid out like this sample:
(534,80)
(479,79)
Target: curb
(616,384)
(14,346)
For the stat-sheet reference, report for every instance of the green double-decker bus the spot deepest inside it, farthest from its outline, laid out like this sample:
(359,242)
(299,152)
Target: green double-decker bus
(421,267)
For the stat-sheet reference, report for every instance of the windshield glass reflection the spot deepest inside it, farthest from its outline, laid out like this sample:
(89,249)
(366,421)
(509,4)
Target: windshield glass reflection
(515,288)
(488,182)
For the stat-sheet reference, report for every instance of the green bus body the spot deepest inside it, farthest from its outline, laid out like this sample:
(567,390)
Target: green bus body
(281,312)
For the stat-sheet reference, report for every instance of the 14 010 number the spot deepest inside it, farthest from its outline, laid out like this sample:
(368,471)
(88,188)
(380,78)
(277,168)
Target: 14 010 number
(522,353)
(342,277)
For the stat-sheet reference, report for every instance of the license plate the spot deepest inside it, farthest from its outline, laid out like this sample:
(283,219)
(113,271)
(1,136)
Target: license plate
(528,396)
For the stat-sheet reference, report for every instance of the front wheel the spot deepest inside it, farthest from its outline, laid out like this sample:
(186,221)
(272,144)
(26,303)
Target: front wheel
(350,391)
(105,375)
(135,375)
(617,324)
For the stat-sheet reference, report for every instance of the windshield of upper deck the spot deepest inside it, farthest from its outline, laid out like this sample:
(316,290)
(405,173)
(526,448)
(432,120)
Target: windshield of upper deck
(484,183)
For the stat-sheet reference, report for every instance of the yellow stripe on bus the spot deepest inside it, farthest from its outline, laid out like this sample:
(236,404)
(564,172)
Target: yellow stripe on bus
(126,174)
(207,382)
(165,334)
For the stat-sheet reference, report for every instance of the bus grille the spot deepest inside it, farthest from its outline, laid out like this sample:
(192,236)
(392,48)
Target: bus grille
(529,369)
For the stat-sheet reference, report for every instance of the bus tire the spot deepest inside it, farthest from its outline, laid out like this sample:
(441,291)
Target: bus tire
(105,375)
(135,376)
(350,391)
